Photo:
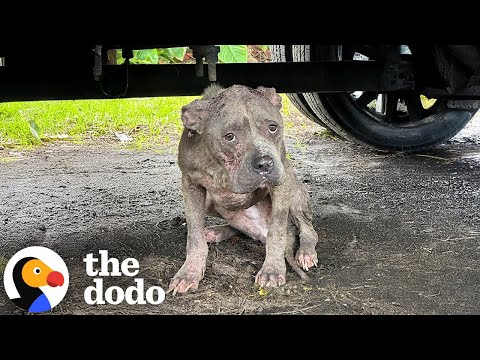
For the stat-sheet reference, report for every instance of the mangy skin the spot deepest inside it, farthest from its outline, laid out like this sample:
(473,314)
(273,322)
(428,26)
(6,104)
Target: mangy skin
(218,179)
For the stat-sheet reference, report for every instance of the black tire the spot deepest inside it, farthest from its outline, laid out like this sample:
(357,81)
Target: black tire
(406,130)
(281,53)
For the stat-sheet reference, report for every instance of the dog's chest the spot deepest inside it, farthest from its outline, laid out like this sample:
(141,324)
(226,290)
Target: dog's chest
(231,201)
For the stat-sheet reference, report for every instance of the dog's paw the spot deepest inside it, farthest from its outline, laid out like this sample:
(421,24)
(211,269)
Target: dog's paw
(271,275)
(306,258)
(187,278)
(219,233)
(212,235)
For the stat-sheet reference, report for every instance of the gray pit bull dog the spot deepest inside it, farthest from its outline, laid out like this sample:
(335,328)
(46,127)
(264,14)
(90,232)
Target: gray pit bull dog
(234,166)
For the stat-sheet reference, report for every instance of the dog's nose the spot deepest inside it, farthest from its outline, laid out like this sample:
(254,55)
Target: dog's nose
(263,164)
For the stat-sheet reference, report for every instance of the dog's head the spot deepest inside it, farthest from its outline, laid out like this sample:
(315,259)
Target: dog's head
(243,130)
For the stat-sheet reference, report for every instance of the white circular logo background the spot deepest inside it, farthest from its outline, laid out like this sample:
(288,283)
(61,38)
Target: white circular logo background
(51,259)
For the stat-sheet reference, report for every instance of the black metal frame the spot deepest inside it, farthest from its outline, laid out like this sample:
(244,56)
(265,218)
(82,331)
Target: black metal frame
(20,83)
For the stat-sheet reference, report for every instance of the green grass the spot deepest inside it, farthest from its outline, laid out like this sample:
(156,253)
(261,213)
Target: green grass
(327,134)
(153,123)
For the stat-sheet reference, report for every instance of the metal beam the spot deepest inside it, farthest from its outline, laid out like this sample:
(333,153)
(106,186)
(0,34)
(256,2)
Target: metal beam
(49,83)
(473,94)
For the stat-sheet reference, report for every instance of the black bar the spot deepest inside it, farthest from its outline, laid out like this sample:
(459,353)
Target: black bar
(442,94)
(56,83)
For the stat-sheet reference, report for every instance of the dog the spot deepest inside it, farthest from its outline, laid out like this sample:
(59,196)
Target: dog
(234,166)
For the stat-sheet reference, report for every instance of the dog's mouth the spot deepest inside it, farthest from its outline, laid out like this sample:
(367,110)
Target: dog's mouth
(260,181)
(265,181)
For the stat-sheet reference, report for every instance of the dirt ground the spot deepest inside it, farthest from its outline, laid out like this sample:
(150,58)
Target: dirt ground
(399,234)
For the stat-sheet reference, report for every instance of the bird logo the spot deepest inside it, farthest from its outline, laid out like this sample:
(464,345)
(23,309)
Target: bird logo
(36,279)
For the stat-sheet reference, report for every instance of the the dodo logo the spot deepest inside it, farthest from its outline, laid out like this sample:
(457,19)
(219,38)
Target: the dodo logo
(36,279)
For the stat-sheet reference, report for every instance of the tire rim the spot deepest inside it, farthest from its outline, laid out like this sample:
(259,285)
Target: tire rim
(401,109)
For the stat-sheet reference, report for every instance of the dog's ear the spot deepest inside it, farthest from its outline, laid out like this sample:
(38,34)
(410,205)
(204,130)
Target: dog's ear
(195,114)
(271,95)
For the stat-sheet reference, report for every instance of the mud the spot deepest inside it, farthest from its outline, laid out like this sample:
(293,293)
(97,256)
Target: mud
(399,234)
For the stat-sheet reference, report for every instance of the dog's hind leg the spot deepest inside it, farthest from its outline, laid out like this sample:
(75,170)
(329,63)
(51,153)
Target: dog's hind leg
(306,256)
(292,233)
(301,215)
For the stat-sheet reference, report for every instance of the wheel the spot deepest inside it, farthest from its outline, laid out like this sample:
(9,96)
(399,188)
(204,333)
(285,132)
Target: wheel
(397,121)
(282,53)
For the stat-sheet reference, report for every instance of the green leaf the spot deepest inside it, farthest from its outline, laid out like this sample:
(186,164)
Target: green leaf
(262,292)
(148,56)
(172,55)
(233,54)
(179,53)
(137,61)
(120,59)
(166,54)
(35,129)
(263,47)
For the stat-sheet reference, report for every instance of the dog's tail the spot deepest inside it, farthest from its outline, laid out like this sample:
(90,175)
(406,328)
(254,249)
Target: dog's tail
(212,90)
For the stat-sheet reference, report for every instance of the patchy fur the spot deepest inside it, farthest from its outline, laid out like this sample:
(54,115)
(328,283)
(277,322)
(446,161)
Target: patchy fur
(234,166)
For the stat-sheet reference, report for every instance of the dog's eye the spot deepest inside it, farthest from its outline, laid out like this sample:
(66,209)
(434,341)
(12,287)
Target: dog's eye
(272,128)
(229,137)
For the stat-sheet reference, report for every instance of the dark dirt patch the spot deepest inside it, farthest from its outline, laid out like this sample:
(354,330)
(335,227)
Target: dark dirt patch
(398,234)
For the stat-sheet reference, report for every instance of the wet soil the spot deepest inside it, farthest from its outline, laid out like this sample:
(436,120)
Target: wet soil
(399,234)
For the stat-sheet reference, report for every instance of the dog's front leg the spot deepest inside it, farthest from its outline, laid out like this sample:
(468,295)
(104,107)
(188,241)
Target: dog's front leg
(273,271)
(193,269)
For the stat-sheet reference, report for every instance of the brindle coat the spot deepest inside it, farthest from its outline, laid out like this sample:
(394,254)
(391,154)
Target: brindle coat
(234,166)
